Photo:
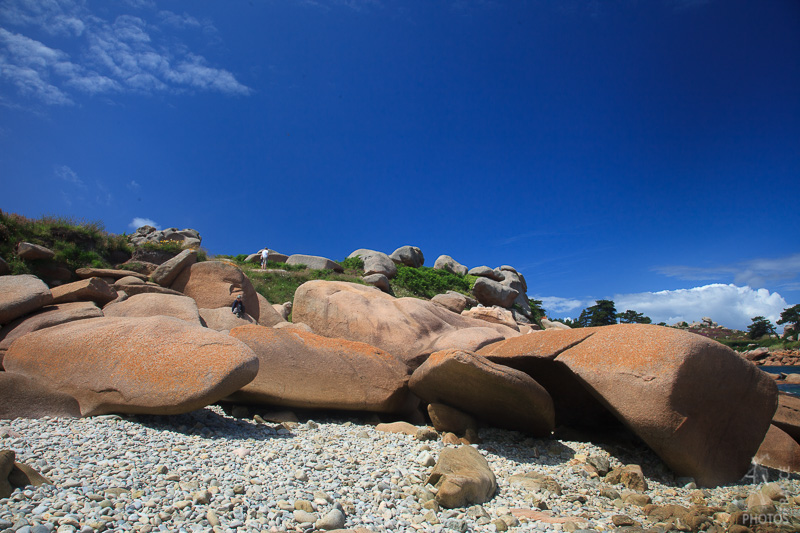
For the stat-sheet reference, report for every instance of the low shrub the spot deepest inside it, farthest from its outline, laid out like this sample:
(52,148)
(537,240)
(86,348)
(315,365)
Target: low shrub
(426,282)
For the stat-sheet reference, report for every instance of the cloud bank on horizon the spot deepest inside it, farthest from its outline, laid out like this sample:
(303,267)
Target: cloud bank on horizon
(728,305)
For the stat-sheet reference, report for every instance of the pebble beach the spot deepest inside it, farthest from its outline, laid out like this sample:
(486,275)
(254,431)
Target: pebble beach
(208,471)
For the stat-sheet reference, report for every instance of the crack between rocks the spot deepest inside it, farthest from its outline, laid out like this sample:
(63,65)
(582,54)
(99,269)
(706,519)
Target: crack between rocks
(570,346)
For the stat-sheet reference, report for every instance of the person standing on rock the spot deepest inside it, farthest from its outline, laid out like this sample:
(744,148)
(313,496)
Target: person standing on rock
(264,256)
(238,306)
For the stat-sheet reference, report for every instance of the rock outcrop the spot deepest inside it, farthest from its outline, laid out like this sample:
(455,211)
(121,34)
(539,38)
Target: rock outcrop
(408,328)
(491,293)
(495,315)
(445,262)
(305,370)
(20,295)
(167,271)
(314,262)
(146,305)
(222,319)
(157,365)
(29,251)
(702,408)
(779,450)
(214,284)
(498,395)
(375,262)
(188,238)
(87,290)
(49,316)
(408,256)
(451,300)
(23,397)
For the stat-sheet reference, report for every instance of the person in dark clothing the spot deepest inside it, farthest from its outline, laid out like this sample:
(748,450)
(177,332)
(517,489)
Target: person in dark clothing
(238,306)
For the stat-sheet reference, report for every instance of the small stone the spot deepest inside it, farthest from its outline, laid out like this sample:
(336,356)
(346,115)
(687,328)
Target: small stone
(426,433)
(456,524)
(299,475)
(426,459)
(621,520)
(304,505)
(304,517)
(500,525)
(211,516)
(334,519)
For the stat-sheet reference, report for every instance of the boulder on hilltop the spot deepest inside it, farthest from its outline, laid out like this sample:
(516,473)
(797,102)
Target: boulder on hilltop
(375,262)
(445,262)
(407,328)
(408,256)
(156,365)
(314,262)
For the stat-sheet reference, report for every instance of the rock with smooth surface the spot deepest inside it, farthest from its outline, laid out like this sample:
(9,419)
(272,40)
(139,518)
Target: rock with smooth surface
(485,272)
(86,273)
(451,300)
(267,315)
(446,418)
(552,324)
(698,405)
(23,397)
(20,295)
(375,262)
(88,290)
(215,284)
(167,271)
(491,293)
(380,281)
(786,417)
(408,328)
(284,309)
(501,396)
(46,317)
(29,251)
(495,315)
(779,450)
(408,256)
(222,319)
(445,262)
(304,370)
(314,262)
(514,280)
(463,477)
(144,305)
(156,365)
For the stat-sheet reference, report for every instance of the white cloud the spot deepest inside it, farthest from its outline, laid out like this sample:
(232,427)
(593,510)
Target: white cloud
(560,306)
(729,305)
(134,185)
(138,222)
(128,54)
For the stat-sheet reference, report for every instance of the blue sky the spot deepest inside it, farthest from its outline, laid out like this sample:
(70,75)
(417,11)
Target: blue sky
(643,151)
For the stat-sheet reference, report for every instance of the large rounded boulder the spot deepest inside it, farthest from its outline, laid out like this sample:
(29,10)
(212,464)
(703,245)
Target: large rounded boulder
(156,365)
(701,407)
(215,284)
(304,370)
(408,328)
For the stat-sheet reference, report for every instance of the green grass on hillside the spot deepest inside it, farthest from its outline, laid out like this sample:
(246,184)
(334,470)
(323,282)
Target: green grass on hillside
(76,243)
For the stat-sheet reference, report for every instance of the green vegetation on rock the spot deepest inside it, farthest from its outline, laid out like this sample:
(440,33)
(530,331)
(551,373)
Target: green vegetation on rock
(427,282)
(76,243)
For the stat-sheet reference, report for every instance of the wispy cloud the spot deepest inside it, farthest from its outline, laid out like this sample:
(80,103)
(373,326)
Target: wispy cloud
(126,54)
(753,272)
(562,306)
(138,222)
(134,185)
(65,173)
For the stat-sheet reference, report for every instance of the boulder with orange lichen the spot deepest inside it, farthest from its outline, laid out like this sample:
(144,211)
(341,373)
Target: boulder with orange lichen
(301,369)
(156,365)
(703,409)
